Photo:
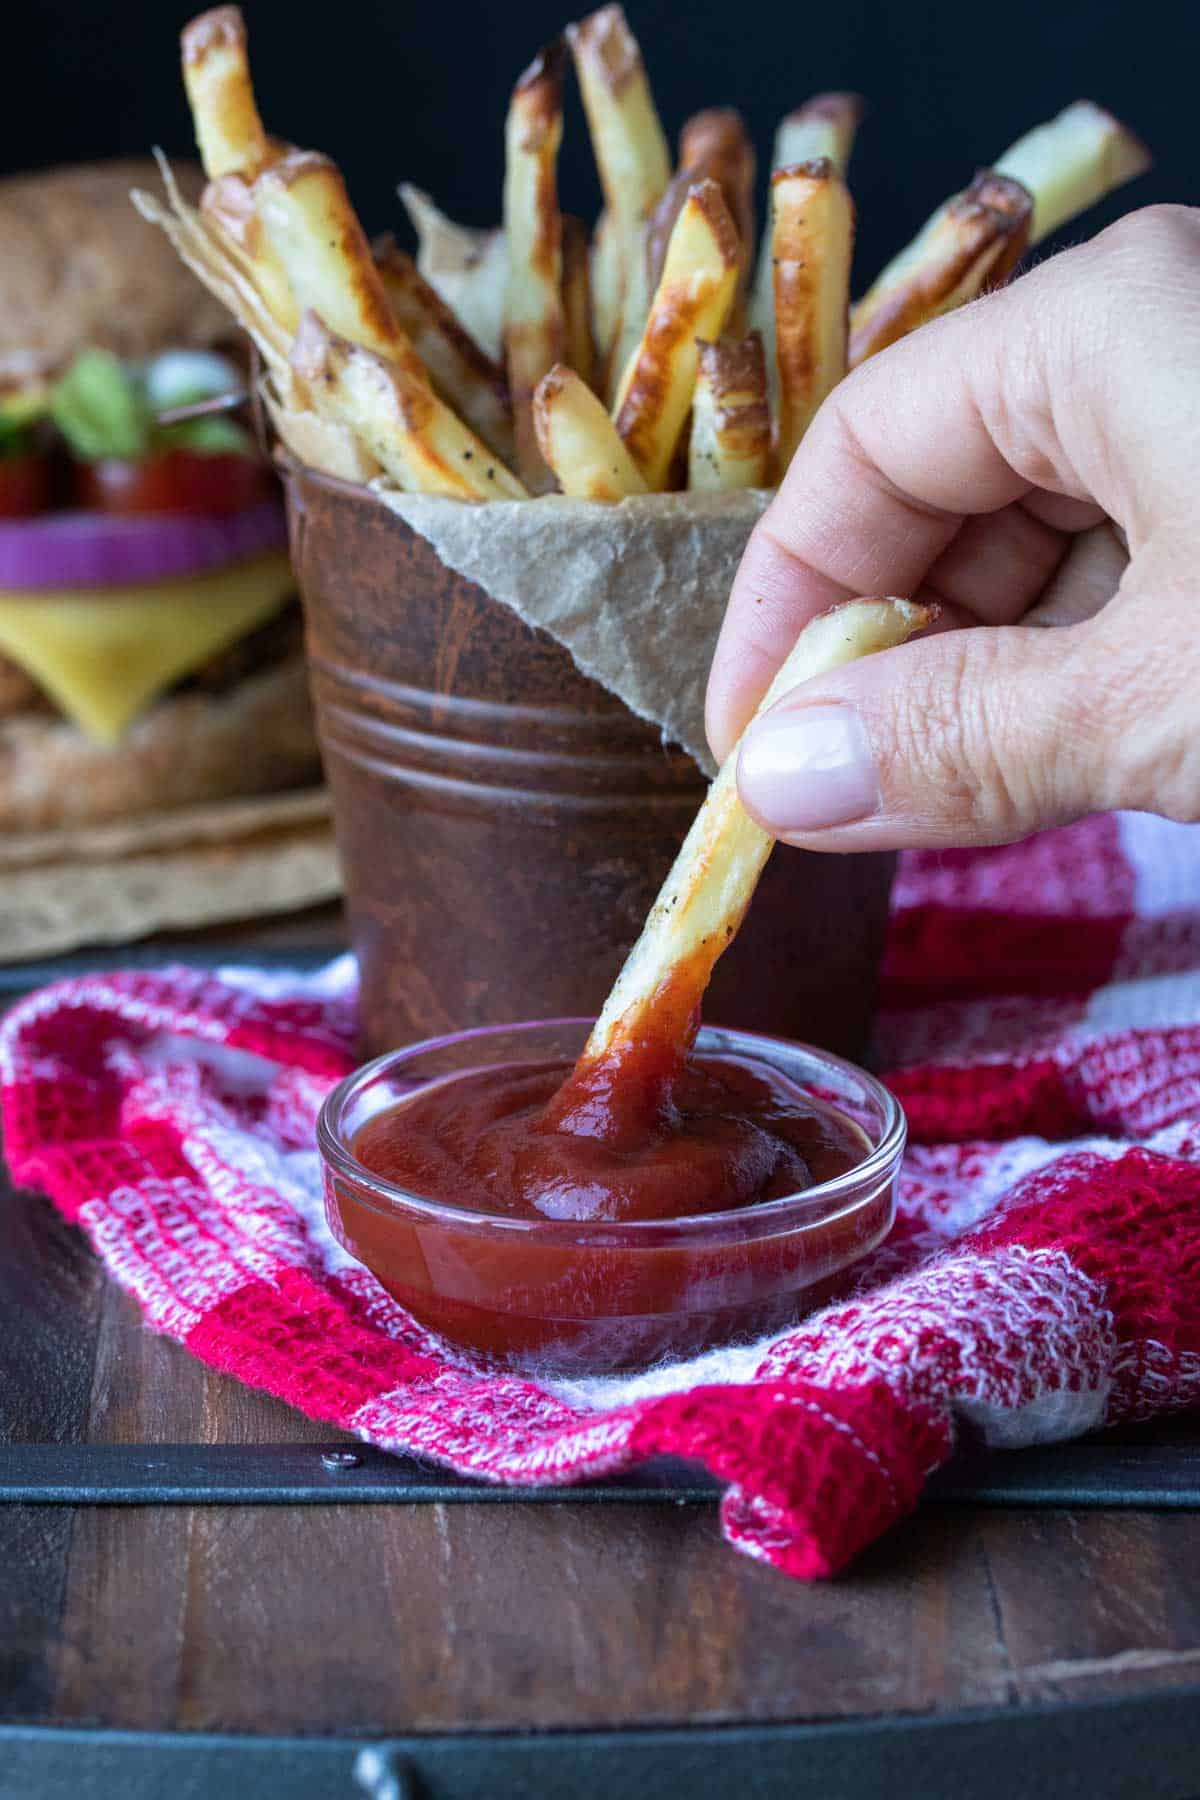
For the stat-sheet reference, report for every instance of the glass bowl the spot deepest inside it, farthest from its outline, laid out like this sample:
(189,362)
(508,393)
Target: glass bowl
(591,1298)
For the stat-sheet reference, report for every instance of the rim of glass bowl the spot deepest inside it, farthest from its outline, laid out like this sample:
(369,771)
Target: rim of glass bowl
(881,1162)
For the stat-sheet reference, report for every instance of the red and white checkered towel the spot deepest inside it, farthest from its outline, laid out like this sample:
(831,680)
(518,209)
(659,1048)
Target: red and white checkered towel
(1042,1026)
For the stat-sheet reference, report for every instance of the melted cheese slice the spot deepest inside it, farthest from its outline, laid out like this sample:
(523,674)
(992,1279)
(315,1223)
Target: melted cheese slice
(103,657)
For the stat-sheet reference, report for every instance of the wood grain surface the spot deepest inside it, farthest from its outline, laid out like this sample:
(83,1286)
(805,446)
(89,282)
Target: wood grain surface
(411,1618)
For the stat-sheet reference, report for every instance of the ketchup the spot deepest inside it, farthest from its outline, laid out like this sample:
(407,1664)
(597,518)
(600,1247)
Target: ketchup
(534,1141)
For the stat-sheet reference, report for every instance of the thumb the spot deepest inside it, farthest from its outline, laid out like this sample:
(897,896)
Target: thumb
(976,736)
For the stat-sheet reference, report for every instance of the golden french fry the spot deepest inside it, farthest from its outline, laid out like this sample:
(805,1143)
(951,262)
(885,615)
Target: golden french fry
(812,244)
(419,442)
(631,155)
(713,145)
(579,441)
(534,320)
(577,297)
(824,126)
(1071,162)
(705,896)
(605,273)
(461,372)
(730,444)
(314,232)
(972,242)
(692,301)
(468,268)
(216,74)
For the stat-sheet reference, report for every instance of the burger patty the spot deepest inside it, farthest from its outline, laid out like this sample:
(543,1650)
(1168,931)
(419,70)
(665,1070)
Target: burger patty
(260,649)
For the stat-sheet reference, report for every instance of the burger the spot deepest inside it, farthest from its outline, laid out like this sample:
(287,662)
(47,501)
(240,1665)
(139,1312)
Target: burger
(151,650)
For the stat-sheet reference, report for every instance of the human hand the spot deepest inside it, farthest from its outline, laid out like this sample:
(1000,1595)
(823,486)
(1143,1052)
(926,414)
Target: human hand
(1029,463)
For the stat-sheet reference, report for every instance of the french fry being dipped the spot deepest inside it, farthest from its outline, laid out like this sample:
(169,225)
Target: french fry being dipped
(812,243)
(730,442)
(534,318)
(692,302)
(1070,163)
(419,442)
(579,441)
(632,158)
(216,75)
(973,242)
(654,1007)
(461,372)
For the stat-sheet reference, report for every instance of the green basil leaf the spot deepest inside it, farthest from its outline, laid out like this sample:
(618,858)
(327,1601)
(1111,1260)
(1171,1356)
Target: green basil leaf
(99,410)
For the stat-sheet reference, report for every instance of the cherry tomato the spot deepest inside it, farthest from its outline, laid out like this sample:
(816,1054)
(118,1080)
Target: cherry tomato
(175,481)
(24,485)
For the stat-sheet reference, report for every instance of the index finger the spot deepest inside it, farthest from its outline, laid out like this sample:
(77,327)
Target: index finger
(900,454)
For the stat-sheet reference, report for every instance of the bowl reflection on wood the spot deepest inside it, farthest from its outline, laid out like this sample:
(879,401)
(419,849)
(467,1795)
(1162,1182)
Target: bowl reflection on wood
(589,1298)
(504,822)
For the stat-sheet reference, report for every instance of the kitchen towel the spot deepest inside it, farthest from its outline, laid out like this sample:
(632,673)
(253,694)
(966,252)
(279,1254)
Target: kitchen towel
(1040,1021)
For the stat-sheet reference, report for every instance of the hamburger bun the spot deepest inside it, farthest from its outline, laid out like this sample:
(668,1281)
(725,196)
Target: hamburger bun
(80,266)
(253,736)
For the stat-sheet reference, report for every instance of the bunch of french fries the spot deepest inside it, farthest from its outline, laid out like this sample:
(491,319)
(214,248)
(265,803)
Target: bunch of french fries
(658,354)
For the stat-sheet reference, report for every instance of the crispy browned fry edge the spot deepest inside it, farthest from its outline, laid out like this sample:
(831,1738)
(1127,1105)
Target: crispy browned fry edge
(418,440)
(730,443)
(216,75)
(972,242)
(704,898)
(713,145)
(633,161)
(692,302)
(579,441)
(534,319)
(577,297)
(812,245)
(462,373)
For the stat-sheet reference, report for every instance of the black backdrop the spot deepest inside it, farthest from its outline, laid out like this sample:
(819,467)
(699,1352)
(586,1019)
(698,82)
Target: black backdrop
(396,89)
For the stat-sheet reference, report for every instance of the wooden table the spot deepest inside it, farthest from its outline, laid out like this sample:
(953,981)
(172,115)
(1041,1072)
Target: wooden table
(346,1623)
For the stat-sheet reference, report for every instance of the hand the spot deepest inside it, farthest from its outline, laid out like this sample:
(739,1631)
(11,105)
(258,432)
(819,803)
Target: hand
(1032,464)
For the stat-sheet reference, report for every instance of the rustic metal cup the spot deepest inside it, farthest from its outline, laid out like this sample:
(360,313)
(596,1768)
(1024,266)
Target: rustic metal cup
(504,822)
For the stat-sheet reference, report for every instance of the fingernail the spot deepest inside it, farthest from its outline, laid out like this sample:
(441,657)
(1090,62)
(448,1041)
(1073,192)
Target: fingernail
(807,767)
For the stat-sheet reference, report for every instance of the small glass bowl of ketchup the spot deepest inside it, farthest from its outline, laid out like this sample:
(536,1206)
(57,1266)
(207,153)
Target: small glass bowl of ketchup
(425,1150)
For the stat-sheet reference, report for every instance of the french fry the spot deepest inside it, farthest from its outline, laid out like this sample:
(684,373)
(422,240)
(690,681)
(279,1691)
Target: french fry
(825,126)
(418,441)
(216,75)
(577,297)
(730,444)
(713,145)
(314,232)
(605,272)
(1071,162)
(692,301)
(972,242)
(534,318)
(227,206)
(704,898)
(812,243)
(579,441)
(631,155)
(468,268)
(462,373)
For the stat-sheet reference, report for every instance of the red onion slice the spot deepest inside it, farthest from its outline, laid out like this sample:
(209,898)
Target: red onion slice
(111,550)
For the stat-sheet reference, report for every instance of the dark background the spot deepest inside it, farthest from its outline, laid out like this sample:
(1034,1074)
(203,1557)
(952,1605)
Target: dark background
(418,91)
